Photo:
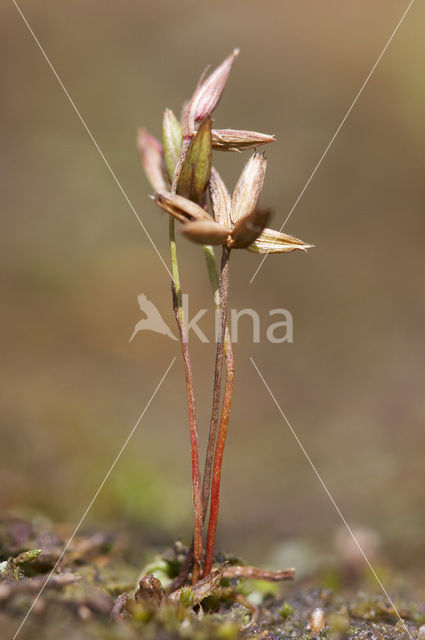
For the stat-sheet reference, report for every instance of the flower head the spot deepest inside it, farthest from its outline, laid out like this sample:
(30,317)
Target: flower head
(186,152)
(237,222)
(180,172)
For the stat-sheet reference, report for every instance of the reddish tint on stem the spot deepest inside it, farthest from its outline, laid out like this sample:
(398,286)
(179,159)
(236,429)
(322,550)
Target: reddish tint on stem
(196,471)
(218,458)
(219,357)
(212,435)
(224,344)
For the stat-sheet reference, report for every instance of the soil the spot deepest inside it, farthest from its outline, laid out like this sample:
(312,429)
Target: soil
(93,593)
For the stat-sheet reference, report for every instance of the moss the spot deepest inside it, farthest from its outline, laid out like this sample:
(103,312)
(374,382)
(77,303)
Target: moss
(80,606)
(286,611)
(338,623)
(186,597)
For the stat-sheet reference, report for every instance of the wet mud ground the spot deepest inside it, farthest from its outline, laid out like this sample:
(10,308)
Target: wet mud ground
(92,593)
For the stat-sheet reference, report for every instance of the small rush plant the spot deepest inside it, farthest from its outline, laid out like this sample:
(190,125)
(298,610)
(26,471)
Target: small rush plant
(181,172)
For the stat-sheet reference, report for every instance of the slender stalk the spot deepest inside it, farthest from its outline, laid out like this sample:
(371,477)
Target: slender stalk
(212,435)
(228,351)
(175,271)
(215,286)
(221,305)
(218,457)
(196,472)
(213,274)
(224,346)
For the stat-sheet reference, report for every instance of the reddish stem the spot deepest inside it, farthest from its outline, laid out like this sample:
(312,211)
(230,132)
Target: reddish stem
(196,471)
(219,357)
(181,578)
(226,347)
(198,521)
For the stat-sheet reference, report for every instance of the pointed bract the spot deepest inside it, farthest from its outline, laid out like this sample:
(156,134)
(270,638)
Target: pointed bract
(236,140)
(220,198)
(152,158)
(271,241)
(248,229)
(248,187)
(181,208)
(206,232)
(172,136)
(207,94)
(196,169)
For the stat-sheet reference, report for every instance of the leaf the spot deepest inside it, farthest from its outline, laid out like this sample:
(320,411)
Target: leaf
(201,589)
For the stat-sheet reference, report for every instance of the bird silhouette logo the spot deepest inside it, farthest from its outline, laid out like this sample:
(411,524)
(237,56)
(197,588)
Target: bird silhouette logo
(153,321)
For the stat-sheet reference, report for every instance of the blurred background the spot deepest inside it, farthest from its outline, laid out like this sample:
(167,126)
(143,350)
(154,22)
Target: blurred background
(73,259)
